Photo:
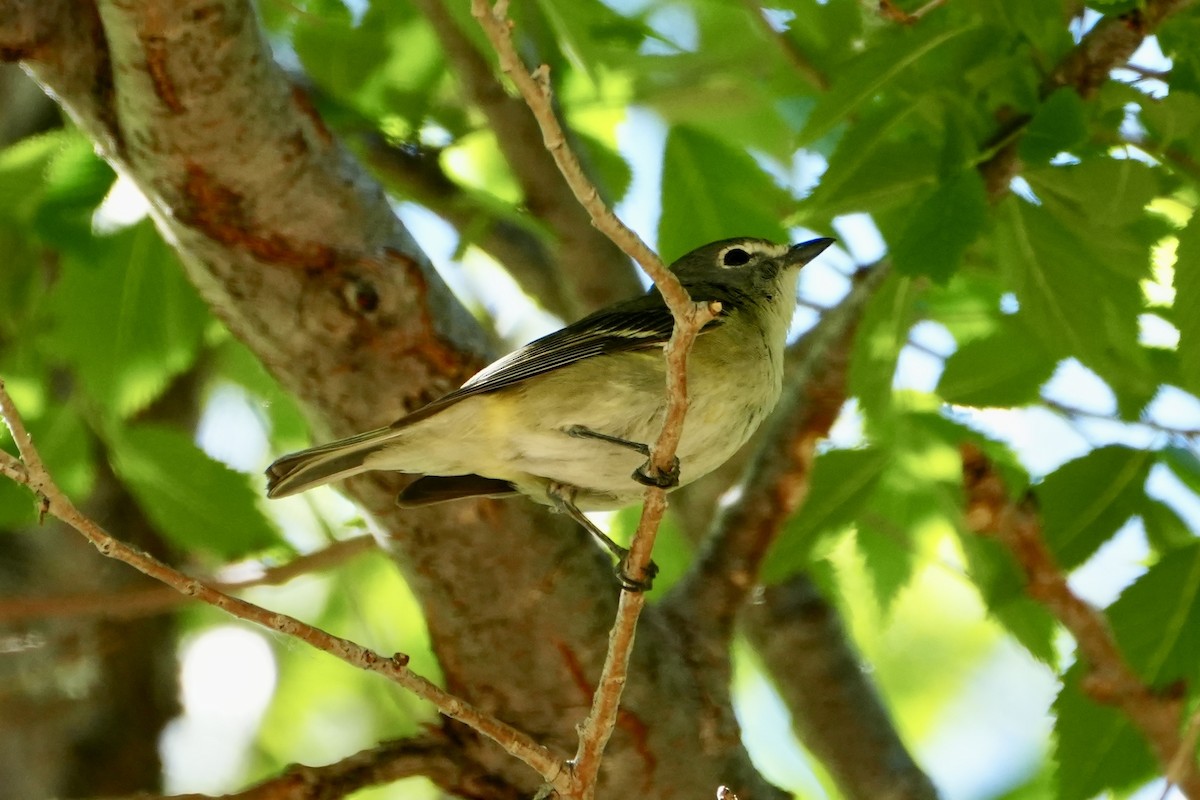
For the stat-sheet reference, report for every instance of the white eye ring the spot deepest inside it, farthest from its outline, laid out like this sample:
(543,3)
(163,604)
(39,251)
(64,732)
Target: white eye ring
(734,256)
(752,250)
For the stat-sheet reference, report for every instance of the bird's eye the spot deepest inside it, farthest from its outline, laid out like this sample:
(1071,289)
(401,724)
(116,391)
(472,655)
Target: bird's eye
(735,257)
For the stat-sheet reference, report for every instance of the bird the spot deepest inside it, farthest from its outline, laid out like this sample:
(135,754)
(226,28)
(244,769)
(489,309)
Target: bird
(566,419)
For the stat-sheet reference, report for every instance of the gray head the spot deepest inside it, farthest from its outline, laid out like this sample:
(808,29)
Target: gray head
(754,270)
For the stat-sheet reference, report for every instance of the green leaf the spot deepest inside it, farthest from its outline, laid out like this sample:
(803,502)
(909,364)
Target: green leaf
(942,227)
(65,444)
(1096,747)
(76,181)
(1165,530)
(841,482)
(1085,501)
(1059,124)
(1174,120)
(868,74)
(1187,304)
(869,170)
(1030,624)
(1049,262)
(881,335)
(125,318)
(1185,464)
(711,191)
(1156,620)
(194,501)
(1102,196)
(1004,369)
(22,168)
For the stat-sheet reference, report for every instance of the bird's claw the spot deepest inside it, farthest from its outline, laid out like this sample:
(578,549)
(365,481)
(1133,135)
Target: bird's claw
(648,476)
(632,584)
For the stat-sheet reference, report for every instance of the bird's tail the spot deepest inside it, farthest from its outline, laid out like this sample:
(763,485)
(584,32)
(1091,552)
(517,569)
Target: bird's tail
(325,463)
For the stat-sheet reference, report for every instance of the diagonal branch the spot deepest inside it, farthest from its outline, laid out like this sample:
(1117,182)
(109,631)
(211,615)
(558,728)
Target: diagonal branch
(690,318)
(433,755)
(142,602)
(52,500)
(776,482)
(1018,526)
(415,174)
(591,268)
(1108,45)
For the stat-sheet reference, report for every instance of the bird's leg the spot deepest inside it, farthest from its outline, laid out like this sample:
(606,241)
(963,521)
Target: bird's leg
(643,474)
(564,501)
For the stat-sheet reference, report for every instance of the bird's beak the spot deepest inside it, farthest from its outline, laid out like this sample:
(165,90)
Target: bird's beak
(800,254)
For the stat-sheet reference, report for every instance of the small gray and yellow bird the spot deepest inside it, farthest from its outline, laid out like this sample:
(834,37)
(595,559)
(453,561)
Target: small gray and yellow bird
(566,419)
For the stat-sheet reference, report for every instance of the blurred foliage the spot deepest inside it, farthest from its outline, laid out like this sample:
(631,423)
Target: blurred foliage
(1096,245)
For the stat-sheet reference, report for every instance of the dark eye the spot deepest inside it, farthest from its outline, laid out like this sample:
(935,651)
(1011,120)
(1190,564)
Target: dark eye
(735,257)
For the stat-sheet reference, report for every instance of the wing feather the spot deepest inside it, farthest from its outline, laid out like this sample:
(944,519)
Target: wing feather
(637,324)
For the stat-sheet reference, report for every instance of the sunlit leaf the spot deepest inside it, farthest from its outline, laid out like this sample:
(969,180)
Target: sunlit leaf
(197,503)
(1004,369)
(1187,304)
(882,334)
(1156,620)
(1086,500)
(711,191)
(942,227)
(1096,746)
(1059,124)
(841,482)
(125,318)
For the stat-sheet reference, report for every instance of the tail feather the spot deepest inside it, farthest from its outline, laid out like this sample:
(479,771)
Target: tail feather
(324,463)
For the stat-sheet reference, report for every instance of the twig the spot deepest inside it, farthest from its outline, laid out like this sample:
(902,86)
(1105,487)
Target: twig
(433,755)
(891,11)
(1072,412)
(592,271)
(777,481)
(52,500)
(690,318)
(800,62)
(598,726)
(1187,752)
(1109,679)
(146,601)
(535,88)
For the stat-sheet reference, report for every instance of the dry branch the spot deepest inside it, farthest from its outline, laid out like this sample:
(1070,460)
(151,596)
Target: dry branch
(591,269)
(142,602)
(690,318)
(287,238)
(1109,680)
(53,501)
(433,755)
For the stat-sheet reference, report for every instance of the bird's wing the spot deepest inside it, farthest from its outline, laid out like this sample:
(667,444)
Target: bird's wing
(637,324)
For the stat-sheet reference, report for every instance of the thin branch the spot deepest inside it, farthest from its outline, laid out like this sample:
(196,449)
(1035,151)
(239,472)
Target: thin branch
(416,174)
(889,10)
(690,318)
(1183,759)
(535,88)
(1086,67)
(776,483)
(835,710)
(1073,413)
(592,271)
(150,600)
(53,501)
(1109,680)
(433,755)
